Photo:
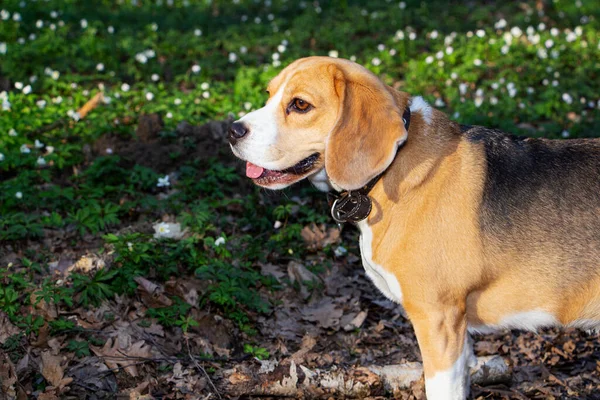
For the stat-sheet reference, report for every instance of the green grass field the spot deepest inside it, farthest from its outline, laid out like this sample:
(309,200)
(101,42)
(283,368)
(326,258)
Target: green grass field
(74,182)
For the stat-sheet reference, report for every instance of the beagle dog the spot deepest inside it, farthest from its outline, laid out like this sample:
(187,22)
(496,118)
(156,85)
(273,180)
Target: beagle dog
(469,228)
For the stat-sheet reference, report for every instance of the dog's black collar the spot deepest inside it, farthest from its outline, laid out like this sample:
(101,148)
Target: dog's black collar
(355,205)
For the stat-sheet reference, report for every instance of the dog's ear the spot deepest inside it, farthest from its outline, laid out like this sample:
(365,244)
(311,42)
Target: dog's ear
(368,131)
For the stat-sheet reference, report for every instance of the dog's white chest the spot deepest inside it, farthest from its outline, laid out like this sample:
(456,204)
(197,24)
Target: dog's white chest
(385,281)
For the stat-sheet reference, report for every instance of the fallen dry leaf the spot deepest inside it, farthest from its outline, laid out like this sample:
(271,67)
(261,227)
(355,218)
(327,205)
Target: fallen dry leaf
(47,310)
(8,376)
(90,105)
(53,371)
(324,312)
(153,293)
(299,273)
(317,237)
(87,264)
(115,357)
(7,329)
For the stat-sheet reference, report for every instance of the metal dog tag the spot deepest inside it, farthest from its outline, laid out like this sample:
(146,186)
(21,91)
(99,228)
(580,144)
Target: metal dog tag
(351,207)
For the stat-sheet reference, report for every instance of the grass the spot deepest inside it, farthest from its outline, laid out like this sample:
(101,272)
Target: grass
(519,67)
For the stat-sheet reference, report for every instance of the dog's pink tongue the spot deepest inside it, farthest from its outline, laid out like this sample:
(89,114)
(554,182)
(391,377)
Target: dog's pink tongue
(253,171)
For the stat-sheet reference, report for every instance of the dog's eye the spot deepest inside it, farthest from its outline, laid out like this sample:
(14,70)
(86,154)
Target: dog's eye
(299,105)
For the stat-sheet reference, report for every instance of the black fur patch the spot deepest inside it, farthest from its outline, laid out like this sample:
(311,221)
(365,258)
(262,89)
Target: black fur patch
(542,194)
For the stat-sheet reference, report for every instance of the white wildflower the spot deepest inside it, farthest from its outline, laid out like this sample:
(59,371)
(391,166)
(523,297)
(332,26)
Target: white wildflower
(516,31)
(196,68)
(500,24)
(243,50)
(100,67)
(155,77)
(381,47)
(169,114)
(567,98)
(402,5)
(477,62)
(3,48)
(434,34)
(149,96)
(571,37)
(333,53)
(198,32)
(41,161)
(125,87)
(542,53)
(412,35)
(206,94)
(439,102)
(204,85)
(163,182)
(247,106)
(141,58)
(429,59)
(565,133)
(177,101)
(83,23)
(1,157)
(462,87)
(220,241)
(19,195)
(24,149)
(493,100)
(12,133)
(549,43)
(449,50)
(277,224)
(110,29)
(162,229)
(376,61)
(554,32)
(340,251)
(49,149)
(233,57)
(38,144)
(480,33)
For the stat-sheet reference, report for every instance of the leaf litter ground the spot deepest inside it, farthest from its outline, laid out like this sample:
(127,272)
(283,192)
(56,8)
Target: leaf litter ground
(327,319)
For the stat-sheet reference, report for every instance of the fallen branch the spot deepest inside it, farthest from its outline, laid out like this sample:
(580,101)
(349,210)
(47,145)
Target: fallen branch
(289,379)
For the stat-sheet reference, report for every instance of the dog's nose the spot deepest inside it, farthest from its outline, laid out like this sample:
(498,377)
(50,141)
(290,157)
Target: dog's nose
(237,131)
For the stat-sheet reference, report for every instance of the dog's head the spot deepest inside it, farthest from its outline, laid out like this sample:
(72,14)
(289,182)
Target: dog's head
(323,114)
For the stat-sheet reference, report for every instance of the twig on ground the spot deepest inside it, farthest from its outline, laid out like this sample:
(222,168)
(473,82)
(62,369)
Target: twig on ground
(200,368)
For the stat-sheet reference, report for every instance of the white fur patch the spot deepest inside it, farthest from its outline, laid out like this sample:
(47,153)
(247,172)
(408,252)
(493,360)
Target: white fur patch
(260,145)
(419,105)
(321,180)
(385,281)
(528,320)
(454,383)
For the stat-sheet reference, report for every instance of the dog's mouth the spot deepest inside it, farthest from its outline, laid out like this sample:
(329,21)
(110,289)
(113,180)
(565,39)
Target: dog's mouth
(267,177)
